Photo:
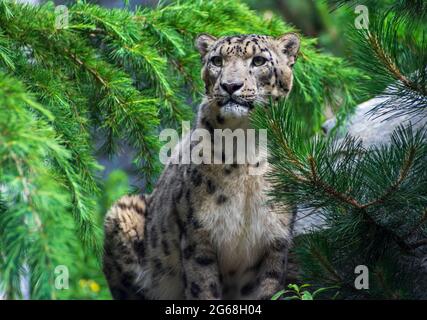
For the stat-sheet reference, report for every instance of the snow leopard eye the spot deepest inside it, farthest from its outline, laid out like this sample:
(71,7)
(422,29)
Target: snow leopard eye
(259,61)
(216,61)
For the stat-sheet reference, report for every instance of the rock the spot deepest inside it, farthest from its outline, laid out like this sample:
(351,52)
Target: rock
(375,129)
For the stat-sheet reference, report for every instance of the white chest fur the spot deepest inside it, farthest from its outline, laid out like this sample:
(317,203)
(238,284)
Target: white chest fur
(243,225)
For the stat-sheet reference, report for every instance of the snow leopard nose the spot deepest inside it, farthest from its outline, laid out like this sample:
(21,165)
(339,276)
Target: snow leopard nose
(230,88)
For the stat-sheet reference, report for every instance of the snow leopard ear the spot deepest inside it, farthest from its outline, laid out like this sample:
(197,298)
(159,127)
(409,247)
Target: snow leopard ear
(204,42)
(289,44)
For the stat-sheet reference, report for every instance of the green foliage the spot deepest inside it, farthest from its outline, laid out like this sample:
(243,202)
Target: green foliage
(372,202)
(296,293)
(109,77)
(114,187)
(414,9)
(392,51)
(34,199)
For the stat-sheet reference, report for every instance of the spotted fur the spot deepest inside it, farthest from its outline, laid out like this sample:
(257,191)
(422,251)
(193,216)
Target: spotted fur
(207,231)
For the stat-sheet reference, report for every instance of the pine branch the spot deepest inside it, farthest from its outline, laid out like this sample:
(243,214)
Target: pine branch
(92,71)
(327,266)
(410,9)
(391,66)
(404,171)
(362,207)
(328,189)
(393,51)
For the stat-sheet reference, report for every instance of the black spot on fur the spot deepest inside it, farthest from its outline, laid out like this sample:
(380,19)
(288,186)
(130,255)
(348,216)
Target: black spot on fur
(188,195)
(126,279)
(163,228)
(181,226)
(158,265)
(273,274)
(178,195)
(214,290)
(124,249)
(275,72)
(184,280)
(196,178)
(210,186)
(204,261)
(195,289)
(220,119)
(154,237)
(247,289)
(282,86)
(108,248)
(188,252)
(289,46)
(138,210)
(128,259)
(139,247)
(116,229)
(165,247)
(122,206)
(221,199)
(279,245)
(191,219)
(118,267)
(179,222)
(220,277)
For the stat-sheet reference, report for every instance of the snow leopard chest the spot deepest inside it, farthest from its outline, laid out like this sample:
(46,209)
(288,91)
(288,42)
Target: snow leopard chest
(240,221)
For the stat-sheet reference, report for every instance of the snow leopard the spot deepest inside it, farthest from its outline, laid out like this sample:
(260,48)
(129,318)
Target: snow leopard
(210,231)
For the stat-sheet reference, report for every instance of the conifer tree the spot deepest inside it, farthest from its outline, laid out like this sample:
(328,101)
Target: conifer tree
(371,200)
(66,81)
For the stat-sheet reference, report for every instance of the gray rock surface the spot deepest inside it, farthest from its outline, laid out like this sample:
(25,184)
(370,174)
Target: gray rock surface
(375,129)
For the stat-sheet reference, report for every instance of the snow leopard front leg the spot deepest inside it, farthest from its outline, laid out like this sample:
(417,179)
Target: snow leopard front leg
(267,276)
(273,270)
(199,265)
